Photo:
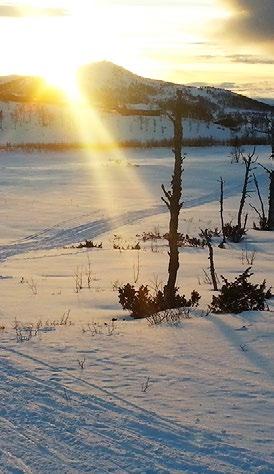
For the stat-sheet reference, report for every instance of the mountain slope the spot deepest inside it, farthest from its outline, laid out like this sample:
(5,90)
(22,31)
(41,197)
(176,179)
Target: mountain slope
(130,107)
(105,80)
(114,85)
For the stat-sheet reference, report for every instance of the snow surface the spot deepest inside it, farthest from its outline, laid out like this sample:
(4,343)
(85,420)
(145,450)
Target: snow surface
(210,401)
(30,123)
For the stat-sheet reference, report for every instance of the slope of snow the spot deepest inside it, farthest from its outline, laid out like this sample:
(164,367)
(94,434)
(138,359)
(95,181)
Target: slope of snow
(209,403)
(23,123)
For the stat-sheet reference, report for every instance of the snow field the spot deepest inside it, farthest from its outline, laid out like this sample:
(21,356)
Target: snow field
(209,404)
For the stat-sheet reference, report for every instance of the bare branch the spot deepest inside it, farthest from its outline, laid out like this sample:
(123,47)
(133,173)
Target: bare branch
(259,196)
(256,210)
(166,193)
(265,168)
(166,203)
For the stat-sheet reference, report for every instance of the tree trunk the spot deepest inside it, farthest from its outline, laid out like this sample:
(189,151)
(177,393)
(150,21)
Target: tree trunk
(222,212)
(207,237)
(271,203)
(271,189)
(247,163)
(173,201)
(272,135)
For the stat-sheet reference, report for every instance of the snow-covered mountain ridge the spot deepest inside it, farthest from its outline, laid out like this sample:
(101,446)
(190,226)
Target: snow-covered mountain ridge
(129,106)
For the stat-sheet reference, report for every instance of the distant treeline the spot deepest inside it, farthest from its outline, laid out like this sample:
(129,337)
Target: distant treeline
(165,143)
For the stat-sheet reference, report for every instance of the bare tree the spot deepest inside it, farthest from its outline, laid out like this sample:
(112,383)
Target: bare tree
(172,199)
(263,220)
(271,188)
(270,219)
(207,238)
(271,202)
(248,161)
(222,212)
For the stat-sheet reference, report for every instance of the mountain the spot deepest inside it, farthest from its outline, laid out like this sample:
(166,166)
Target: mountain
(113,85)
(131,107)
(28,89)
(110,85)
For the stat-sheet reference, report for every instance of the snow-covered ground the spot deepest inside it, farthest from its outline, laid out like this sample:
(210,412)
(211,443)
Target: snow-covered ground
(210,399)
(30,123)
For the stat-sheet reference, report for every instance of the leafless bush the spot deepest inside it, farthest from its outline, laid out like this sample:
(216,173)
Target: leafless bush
(65,319)
(169,316)
(78,280)
(31,284)
(89,273)
(83,273)
(81,363)
(146,385)
(110,328)
(156,284)
(105,329)
(248,257)
(25,332)
(92,328)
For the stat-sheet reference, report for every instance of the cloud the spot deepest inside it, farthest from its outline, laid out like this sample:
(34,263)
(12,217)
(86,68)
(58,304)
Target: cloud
(251,89)
(236,58)
(249,59)
(251,21)
(12,11)
(231,58)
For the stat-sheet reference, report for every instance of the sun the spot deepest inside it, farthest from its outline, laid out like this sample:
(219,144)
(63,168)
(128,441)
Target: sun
(65,79)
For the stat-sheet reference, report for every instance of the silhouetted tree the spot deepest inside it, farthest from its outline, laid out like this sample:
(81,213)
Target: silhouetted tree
(222,213)
(206,235)
(248,160)
(172,199)
(271,203)
(271,188)
(263,220)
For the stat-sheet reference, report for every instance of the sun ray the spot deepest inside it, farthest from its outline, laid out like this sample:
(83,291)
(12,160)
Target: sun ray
(114,179)
(92,131)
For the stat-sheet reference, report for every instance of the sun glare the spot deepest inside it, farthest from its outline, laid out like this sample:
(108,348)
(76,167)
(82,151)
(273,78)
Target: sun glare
(66,81)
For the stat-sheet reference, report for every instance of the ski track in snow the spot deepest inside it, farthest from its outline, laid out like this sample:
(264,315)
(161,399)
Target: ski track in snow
(57,236)
(58,441)
(53,421)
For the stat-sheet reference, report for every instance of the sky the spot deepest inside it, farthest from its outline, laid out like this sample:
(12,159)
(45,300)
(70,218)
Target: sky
(226,43)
